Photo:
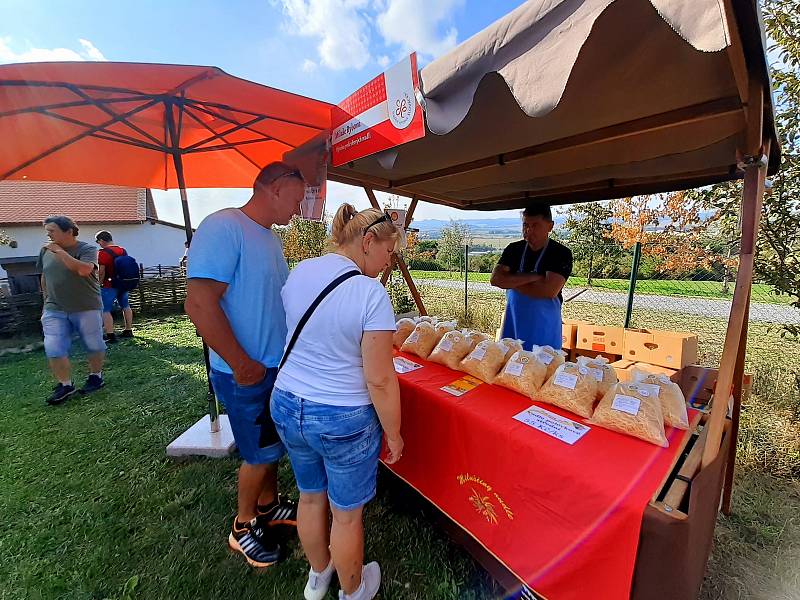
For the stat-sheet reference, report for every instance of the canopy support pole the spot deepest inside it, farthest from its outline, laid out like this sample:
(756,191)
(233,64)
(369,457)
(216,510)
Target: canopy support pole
(397,260)
(752,196)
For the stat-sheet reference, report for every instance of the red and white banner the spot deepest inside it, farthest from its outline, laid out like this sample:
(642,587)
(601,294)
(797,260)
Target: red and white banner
(380,115)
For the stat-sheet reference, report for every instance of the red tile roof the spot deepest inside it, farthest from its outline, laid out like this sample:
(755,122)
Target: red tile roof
(29,202)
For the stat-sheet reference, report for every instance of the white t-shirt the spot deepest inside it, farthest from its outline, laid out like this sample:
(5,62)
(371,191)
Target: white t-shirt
(325,364)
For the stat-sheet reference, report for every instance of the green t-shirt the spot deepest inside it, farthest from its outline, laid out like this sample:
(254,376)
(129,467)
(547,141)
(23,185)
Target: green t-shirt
(68,291)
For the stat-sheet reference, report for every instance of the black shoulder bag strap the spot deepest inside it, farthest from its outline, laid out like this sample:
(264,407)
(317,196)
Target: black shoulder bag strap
(269,435)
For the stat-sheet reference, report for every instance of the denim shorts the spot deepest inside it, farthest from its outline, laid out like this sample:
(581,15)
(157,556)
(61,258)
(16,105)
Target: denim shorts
(332,448)
(246,407)
(59,327)
(109,295)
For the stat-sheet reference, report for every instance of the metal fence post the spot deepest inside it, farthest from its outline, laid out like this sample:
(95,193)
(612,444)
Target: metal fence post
(637,255)
(466,279)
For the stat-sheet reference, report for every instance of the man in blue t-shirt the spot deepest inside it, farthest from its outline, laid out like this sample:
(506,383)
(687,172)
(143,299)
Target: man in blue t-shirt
(236,269)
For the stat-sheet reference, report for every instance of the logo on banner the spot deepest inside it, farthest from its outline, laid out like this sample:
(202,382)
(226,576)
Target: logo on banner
(400,93)
(483,498)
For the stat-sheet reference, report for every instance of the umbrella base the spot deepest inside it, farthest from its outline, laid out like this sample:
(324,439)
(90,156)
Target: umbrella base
(198,440)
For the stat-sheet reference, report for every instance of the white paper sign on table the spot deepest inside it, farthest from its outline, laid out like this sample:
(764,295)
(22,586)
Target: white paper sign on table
(403,365)
(626,404)
(561,428)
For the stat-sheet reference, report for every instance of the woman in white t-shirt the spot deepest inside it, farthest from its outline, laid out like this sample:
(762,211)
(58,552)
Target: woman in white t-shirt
(337,396)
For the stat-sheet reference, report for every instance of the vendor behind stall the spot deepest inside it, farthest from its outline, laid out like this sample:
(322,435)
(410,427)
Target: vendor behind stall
(533,272)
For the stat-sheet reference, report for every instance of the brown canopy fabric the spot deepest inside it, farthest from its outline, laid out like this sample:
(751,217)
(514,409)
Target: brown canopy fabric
(587,99)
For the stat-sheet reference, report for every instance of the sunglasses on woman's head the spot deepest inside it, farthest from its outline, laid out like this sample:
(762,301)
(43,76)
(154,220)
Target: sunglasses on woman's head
(386,217)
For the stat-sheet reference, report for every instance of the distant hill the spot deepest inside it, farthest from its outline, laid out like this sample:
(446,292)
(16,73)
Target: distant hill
(501,228)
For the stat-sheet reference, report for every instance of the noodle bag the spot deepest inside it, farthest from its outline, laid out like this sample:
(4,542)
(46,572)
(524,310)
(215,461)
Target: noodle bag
(673,402)
(422,340)
(511,346)
(451,349)
(523,373)
(633,409)
(442,327)
(475,337)
(404,329)
(550,357)
(485,361)
(602,370)
(572,388)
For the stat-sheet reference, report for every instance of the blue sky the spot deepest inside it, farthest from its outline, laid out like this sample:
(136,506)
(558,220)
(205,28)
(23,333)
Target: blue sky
(320,48)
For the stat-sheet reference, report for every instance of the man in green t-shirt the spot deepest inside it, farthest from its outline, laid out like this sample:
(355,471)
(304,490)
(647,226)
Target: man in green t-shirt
(72,304)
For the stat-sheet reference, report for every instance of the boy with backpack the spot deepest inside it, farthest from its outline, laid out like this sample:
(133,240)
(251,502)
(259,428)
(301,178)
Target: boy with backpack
(119,274)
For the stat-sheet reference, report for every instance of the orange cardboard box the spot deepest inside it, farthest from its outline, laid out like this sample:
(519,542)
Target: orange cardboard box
(600,338)
(662,348)
(656,370)
(569,333)
(622,369)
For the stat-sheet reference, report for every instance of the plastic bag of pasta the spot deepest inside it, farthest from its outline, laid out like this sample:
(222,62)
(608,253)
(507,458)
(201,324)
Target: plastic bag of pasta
(442,327)
(572,388)
(404,329)
(550,357)
(601,370)
(485,361)
(673,402)
(422,340)
(425,319)
(511,346)
(474,337)
(451,349)
(632,409)
(522,373)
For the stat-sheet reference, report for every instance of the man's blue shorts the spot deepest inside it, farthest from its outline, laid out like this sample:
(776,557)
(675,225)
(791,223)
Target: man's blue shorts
(109,295)
(245,406)
(59,327)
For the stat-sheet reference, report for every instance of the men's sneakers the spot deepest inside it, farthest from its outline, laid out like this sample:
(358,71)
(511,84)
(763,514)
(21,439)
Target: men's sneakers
(126,333)
(281,512)
(110,338)
(256,542)
(60,393)
(93,383)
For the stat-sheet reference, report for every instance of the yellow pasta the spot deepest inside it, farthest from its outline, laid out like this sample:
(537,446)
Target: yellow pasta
(523,373)
(633,409)
(572,388)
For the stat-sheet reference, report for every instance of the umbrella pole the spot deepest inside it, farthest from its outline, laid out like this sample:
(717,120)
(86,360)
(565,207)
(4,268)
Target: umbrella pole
(213,406)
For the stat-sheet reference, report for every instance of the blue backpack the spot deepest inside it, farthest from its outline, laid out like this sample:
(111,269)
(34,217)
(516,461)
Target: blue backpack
(126,271)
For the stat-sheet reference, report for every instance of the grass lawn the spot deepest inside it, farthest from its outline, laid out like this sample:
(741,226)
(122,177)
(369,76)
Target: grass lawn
(661,287)
(92,508)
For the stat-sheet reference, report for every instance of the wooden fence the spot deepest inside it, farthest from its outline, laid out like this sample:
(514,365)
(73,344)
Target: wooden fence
(162,289)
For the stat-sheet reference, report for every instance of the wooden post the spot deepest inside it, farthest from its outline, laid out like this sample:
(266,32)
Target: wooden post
(752,196)
(738,386)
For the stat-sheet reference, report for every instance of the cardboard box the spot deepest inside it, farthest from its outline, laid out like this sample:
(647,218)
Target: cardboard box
(574,354)
(662,348)
(657,370)
(569,333)
(622,369)
(600,338)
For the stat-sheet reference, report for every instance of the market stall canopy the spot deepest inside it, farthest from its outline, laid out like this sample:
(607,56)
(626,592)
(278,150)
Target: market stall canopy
(581,100)
(125,123)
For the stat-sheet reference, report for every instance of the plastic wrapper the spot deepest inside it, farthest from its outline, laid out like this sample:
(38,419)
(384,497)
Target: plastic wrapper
(633,409)
(485,361)
(451,349)
(602,370)
(572,388)
(673,402)
(442,327)
(523,373)
(550,357)
(511,345)
(475,338)
(404,329)
(422,340)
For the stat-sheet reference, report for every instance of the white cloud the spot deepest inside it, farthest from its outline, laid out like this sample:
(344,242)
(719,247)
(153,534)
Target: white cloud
(9,55)
(383,61)
(309,66)
(341,26)
(415,25)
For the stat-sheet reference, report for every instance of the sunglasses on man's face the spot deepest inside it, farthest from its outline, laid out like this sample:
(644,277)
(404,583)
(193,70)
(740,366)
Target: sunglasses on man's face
(296,173)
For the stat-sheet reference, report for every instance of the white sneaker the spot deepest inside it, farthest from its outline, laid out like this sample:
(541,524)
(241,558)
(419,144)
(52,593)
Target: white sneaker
(370,584)
(318,583)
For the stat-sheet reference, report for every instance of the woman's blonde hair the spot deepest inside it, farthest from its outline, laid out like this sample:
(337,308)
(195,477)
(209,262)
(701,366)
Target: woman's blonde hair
(350,224)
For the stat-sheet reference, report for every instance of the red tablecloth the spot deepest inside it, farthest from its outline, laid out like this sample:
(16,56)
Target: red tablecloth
(564,519)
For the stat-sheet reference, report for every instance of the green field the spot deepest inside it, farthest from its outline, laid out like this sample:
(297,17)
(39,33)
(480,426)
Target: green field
(92,508)
(661,287)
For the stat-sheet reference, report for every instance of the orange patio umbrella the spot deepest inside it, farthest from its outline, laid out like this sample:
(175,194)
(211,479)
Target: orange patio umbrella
(146,125)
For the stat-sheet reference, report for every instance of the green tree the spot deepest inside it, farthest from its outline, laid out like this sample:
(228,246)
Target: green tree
(451,245)
(303,239)
(5,240)
(589,226)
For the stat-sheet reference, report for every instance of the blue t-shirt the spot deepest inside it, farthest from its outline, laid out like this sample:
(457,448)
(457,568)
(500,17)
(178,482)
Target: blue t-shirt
(232,248)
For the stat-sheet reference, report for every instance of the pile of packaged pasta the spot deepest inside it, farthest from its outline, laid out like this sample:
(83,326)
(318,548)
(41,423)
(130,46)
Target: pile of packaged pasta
(589,388)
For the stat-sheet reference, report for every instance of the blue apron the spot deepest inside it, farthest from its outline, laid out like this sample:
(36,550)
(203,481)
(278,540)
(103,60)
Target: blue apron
(532,320)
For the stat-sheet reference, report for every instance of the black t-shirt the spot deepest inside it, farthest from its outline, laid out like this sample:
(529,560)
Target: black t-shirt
(557,259)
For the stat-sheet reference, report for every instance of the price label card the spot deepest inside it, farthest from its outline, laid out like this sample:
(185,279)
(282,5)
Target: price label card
(514,368)
(478,353)
(646,389)
(566,380)
(561,428)
(413,338)
(596,373)
(403,365)
(626,404)
(545,358)
(445,345)
(461,386)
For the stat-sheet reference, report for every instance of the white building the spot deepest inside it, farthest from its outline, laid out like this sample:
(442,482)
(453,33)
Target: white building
(128,214)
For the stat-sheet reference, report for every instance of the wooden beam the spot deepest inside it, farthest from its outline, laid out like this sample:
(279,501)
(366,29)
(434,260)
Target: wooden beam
(411,286)
(752,196)
(735,52)
(689,468)
(755,120)
(667,120)
(738,390)
(372,199)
